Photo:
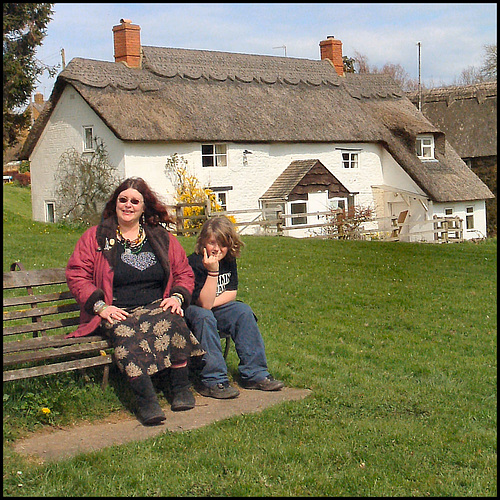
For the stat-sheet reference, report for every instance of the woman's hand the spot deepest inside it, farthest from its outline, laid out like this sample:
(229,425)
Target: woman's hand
(113,314)
(173,304)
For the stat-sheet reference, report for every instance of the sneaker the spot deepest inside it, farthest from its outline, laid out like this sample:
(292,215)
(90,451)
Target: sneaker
(222,390)
(266,384)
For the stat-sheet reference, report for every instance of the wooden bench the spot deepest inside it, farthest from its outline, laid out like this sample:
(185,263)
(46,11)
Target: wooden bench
(39,311)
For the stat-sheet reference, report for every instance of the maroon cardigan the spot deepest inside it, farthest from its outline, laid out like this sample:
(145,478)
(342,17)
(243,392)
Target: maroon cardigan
(89,272)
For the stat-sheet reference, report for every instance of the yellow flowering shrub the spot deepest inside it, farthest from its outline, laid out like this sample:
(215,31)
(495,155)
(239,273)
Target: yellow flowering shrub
(188,190)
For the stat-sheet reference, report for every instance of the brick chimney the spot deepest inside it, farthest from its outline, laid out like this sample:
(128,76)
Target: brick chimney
(39,98)
(332,49)
(127,40)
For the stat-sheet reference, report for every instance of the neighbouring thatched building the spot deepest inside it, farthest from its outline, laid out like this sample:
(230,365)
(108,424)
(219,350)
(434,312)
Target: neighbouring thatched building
(468,116)
(241,121)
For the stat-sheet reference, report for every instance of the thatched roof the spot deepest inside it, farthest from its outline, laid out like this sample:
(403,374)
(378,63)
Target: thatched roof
(196,96)
(289,180)
(466,114)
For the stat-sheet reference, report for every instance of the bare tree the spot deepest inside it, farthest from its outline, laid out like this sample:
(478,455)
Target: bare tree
(84,183)
(398,73)
(468,76)
(487,72)
(489,67)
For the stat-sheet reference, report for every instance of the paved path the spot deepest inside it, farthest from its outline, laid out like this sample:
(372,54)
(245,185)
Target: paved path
(53,445)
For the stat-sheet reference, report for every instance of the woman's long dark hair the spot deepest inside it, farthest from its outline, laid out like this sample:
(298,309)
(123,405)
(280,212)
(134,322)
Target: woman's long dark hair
(154,210)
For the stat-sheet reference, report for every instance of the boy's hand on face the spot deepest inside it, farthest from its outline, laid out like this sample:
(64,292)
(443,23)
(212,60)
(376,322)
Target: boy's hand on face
(211,262)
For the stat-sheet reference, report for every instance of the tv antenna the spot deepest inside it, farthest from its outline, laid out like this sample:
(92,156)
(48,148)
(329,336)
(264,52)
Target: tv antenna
(281,47)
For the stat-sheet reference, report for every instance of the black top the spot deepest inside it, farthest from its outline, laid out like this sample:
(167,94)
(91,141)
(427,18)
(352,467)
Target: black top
(227,280)
(139,278)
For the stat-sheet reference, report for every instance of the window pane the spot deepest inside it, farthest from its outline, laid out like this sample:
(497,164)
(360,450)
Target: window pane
(207,149)
(50,212)
(207,161)
(222,200)
(298,208)
(88,138)
(221,161)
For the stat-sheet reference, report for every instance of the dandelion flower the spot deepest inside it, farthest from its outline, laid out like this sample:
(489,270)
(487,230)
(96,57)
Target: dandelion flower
(46,411)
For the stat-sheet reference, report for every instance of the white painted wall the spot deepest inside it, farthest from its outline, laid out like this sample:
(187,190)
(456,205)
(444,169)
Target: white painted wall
(63,131)
(249,175)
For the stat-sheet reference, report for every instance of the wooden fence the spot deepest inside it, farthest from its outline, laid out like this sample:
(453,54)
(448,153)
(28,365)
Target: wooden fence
(274,222)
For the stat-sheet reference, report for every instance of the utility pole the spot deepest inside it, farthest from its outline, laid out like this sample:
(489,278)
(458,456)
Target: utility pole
(419,80)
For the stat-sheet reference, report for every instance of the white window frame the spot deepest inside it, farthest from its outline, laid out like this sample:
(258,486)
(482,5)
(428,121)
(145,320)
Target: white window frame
(301,220)
(425,147)
(50,211)
(350,159)
(217,157)
(334,203)
(469,218)
(221,197)
(88,138)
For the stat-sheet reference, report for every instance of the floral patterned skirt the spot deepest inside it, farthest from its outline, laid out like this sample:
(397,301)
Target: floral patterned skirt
(150,340)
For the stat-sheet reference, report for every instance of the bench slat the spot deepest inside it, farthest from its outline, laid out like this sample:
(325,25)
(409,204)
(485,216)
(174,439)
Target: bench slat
(36,299)
(37,277)
(51,341)
(66,366)
(41,326)
(40,311)
(46,354)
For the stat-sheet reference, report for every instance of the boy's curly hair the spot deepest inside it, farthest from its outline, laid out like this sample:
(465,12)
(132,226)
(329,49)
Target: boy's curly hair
(225,234)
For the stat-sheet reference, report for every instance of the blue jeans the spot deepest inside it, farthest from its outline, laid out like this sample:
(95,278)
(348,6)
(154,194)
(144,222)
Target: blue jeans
(238,319)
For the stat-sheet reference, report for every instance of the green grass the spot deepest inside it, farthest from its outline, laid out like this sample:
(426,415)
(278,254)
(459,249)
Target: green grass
(397,341)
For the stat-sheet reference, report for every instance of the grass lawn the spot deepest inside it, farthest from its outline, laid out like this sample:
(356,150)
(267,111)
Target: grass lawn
(397,341)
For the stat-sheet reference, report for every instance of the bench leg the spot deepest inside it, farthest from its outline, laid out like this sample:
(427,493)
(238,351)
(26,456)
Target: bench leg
(227,346)
(105,377)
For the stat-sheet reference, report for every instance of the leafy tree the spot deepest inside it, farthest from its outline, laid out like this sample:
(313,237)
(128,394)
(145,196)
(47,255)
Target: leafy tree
(84,183)
(24,28)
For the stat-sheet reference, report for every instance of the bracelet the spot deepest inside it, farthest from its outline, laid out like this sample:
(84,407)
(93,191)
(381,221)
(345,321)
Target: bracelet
(213,273)
(99,306)
(179,297)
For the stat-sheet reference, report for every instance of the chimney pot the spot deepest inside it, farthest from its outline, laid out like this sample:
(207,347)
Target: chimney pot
(331,49)
(127,43)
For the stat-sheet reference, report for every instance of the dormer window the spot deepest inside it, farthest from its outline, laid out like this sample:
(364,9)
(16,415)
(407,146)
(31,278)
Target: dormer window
(425,147)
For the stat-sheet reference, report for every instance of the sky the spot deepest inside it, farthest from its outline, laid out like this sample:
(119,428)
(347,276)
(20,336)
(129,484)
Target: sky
(452,36)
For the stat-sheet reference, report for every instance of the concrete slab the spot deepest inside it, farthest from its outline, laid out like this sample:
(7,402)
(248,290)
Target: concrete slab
(53,445)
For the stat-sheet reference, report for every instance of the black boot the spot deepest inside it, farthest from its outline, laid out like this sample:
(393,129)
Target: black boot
(149,410)
(182,397)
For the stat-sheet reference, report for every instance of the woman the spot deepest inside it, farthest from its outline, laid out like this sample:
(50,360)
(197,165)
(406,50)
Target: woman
(214,307)
(132,280)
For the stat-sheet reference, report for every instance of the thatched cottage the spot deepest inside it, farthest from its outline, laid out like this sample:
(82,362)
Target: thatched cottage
(467,114)
(245,123)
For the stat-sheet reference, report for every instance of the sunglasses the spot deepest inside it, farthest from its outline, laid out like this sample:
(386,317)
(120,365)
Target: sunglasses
(134,201)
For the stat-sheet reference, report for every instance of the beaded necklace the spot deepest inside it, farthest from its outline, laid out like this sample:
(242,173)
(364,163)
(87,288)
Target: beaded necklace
(134,246)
